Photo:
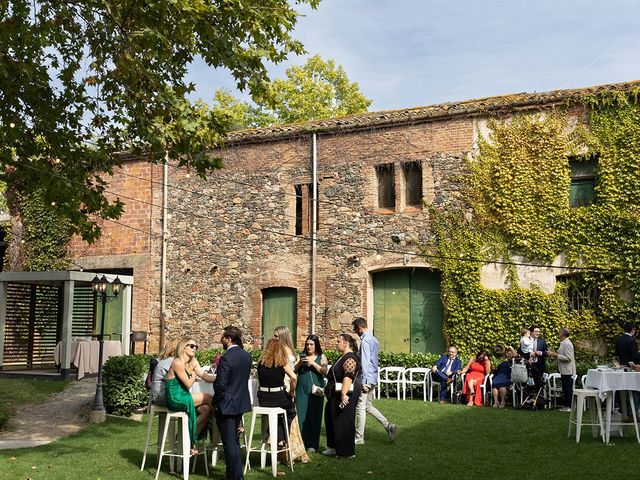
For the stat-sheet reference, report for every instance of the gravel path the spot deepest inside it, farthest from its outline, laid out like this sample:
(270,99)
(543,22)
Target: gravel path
(60,415)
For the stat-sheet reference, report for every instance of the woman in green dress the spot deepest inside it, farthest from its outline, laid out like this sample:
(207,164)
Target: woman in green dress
(311,369)
(179,380)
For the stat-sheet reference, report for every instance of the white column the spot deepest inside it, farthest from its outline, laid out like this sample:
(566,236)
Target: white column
(126,319)
(67,320)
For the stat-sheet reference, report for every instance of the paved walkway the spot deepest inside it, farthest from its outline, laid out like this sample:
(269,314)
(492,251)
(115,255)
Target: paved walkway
(62,414)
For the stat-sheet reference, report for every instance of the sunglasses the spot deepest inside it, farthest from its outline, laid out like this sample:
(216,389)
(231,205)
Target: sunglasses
(192,345)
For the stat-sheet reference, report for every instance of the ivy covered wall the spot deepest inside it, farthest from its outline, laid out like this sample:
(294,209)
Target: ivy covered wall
(39,236)
(517,192)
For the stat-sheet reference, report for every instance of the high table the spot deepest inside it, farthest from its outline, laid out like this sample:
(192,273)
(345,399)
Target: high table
(610,381)
(85,354)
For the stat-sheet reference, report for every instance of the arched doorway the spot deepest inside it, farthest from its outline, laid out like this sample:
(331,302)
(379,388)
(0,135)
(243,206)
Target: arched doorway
(407,310)
(279,307)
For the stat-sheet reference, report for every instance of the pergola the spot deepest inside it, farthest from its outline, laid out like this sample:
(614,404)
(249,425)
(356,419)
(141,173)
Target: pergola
(56,304)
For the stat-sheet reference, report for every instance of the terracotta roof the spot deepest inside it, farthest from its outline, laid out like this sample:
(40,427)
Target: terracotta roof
(501,103)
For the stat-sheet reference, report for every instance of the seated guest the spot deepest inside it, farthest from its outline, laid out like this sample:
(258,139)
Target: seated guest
(444,370)
(273,365)
(179,380)
(502,379)
(160,370)
(476,370)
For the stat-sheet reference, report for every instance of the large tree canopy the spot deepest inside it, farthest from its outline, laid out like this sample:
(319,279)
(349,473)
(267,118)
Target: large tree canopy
(81,80)
(318,89)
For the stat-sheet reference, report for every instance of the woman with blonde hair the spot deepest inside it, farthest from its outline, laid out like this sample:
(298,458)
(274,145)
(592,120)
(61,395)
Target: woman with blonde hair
(298,448)
(273,365)
(179,380)
(160,370)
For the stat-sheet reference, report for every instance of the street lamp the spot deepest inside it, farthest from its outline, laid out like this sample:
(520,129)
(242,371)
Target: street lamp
(99,286)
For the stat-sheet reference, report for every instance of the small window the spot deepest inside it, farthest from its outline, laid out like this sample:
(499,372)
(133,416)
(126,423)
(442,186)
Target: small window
(580,292)
(583,181)
(304,209)
(386,186)
(413,183)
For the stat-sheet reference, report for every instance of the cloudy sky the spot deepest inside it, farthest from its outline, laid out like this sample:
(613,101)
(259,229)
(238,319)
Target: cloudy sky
(407,53)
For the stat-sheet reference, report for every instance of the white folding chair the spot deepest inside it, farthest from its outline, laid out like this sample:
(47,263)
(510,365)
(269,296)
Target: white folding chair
(416,376)
(486,389)
(553,388)
(390,376)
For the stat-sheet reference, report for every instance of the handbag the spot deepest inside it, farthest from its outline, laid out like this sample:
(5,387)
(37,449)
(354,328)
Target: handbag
(519,372)
(338,388)
(316,390)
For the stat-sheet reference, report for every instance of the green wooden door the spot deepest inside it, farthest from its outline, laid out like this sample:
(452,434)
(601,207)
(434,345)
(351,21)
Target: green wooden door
(427,312)
(391,320)
(408,312)
(279,307)
(112,317)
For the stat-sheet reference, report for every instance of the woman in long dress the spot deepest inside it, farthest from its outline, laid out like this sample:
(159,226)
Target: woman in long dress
(298,449)
(475,371)
(340,410)
(311,369)
(179,380)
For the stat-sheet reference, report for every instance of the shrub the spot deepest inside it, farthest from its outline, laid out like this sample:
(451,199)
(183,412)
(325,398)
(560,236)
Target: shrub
(124,389)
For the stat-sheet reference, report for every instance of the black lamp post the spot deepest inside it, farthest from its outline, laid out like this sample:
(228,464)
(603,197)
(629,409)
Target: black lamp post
(99,286)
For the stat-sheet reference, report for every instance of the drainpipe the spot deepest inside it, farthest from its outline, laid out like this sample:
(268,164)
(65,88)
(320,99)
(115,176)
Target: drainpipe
(163,255)
(314,229)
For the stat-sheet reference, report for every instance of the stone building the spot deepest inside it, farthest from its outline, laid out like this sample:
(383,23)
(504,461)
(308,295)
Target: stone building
(240,247)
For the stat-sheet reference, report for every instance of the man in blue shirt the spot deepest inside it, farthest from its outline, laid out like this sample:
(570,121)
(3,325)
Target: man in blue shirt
(369,348)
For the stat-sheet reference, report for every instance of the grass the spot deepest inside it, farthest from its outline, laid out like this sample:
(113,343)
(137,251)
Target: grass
(434,442)
(19,391)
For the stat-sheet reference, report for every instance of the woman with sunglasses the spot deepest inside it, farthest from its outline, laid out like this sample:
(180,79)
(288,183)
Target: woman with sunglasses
(179,380)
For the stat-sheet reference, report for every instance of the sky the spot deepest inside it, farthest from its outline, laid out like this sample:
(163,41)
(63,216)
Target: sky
(409,53)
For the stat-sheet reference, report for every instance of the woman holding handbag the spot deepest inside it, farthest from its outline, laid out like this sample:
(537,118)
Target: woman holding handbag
(343,391)
(311,369)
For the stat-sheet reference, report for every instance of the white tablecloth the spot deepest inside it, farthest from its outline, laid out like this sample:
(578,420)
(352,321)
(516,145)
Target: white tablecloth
(206,387)
(84,354)
(610,380)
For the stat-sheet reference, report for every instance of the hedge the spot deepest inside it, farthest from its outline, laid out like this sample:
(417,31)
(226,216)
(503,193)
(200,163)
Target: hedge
(124,389)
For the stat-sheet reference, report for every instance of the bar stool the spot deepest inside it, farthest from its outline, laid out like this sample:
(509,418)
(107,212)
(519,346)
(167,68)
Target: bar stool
(272,414)
(608,422)
(216,443)
(580,396)
(183,450)
(152,411)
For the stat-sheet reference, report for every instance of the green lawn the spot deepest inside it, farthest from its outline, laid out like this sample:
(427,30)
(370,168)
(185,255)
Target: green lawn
(18,391)
(434,442)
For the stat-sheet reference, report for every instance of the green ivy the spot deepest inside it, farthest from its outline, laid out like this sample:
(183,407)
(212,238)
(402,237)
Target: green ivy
(517,204)
(45,235)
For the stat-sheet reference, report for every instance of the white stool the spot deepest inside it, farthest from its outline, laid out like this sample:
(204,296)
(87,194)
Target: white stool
(609,424)
(183,449)
(272,413)
(580,396)
(162,417)
(216,443)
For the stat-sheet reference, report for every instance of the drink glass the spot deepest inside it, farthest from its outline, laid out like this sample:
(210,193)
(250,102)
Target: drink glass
(616,362)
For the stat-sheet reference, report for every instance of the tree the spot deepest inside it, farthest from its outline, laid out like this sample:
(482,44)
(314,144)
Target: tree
(318,89)
(81,80)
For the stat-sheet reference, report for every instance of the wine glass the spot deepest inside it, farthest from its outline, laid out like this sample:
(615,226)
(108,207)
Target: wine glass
(596,360)
(616,362)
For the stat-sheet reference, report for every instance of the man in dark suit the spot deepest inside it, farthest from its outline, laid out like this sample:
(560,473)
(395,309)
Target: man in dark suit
(538,356)
(626,346)
(444,370)
(231,397)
